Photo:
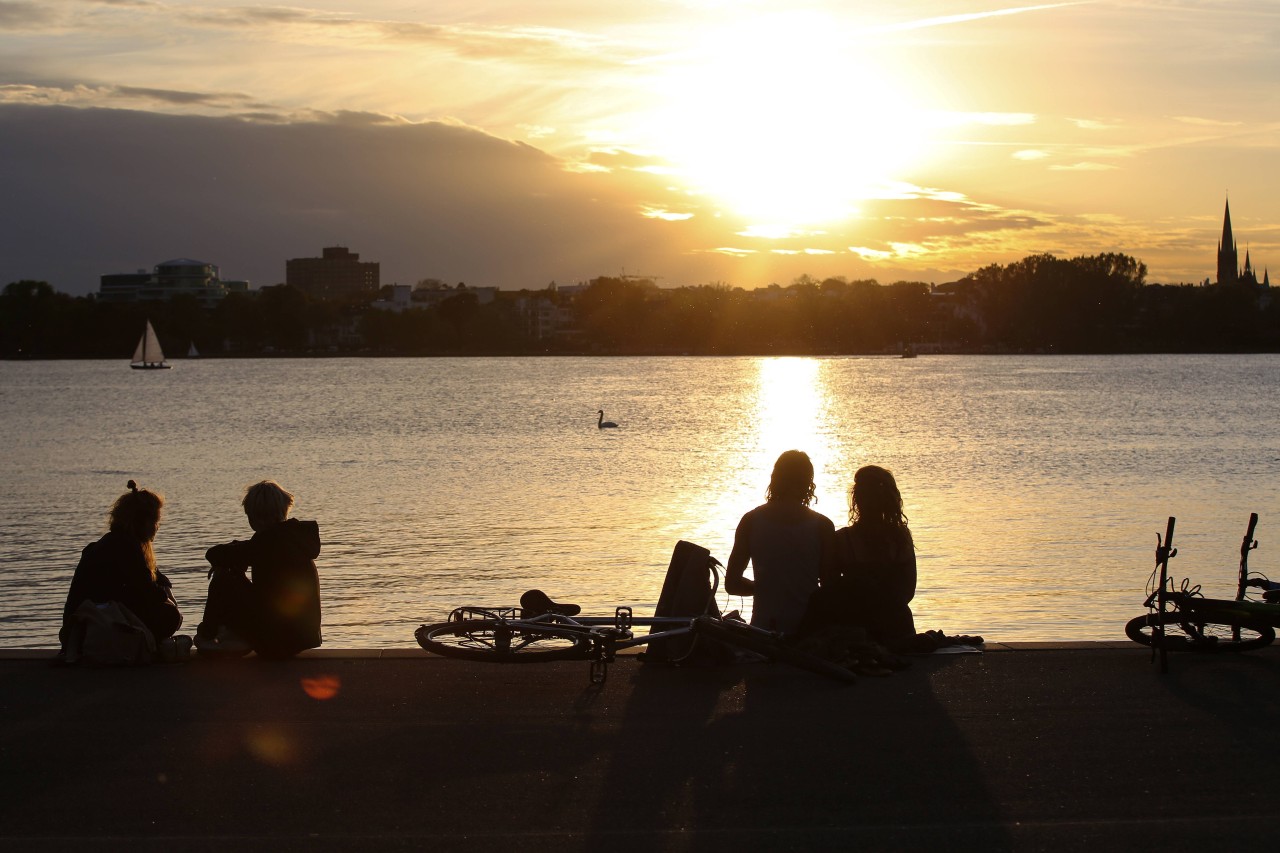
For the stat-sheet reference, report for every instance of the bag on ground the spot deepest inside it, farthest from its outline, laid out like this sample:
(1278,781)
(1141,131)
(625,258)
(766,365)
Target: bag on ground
(108,635)
(686,591)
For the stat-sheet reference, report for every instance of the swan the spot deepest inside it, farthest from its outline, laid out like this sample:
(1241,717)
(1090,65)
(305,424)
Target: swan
(603,424)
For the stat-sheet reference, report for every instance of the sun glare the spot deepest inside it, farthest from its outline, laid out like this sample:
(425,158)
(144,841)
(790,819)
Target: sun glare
(789,404)
(785,119)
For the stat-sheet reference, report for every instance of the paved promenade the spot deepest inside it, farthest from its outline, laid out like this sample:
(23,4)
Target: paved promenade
(1029,748)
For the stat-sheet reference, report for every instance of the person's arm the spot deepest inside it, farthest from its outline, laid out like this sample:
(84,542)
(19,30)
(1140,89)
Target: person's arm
(908,575)
(232,555)
(830,568)
(735,583)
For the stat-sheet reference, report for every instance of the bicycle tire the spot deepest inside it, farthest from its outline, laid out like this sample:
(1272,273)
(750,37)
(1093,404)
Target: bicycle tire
(498,641)
(1193,633)
(765,643)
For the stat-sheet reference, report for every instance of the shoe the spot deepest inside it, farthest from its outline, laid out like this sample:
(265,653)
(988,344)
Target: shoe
(174,649)
(226,644)
(535,602)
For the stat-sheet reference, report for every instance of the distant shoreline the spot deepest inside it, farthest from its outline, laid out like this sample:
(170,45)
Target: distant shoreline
(586,354)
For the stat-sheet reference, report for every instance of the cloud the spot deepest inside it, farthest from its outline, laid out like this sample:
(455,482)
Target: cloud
(1030,154)
(944,20)
(517,44)
(1084,167)
(93,191)
(1199,121)
(137,97)
(25,16)
(179,98)
(665,215)
(619,158)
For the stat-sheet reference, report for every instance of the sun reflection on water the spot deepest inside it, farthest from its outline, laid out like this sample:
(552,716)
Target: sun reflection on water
(787,408)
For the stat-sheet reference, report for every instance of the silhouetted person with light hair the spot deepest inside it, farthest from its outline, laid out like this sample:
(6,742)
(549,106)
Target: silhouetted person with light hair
(277,612)
(121,567)
(783,540)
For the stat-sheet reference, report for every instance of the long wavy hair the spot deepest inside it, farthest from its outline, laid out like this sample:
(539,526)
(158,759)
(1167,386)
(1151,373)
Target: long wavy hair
(136,514)
(792,479)
(875,502)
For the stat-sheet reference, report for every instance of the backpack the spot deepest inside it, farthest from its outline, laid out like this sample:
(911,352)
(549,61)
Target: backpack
(108,635)
(687,590)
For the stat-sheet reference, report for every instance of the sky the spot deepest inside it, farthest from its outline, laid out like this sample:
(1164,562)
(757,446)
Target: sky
(514,144)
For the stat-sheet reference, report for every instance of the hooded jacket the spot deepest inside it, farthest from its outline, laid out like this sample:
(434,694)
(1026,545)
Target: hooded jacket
(286,585)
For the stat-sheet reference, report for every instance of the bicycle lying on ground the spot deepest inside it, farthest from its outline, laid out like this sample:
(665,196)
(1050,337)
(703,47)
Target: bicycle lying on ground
(549,631)
(1184,620)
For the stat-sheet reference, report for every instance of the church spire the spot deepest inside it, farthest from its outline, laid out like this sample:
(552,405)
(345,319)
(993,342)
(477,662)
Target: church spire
(1228,259)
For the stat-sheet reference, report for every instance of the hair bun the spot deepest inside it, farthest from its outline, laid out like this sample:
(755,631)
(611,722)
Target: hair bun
(133,487)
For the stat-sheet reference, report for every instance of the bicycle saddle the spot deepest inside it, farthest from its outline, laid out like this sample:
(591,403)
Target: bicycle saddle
(535,602)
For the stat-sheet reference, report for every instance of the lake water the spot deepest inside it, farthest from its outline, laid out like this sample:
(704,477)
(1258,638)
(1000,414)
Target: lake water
(1035,485)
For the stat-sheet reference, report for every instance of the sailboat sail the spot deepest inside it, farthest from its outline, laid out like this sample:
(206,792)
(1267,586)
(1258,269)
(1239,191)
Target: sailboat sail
(148,352)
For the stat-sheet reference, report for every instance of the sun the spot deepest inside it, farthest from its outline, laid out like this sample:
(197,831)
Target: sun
(785,119)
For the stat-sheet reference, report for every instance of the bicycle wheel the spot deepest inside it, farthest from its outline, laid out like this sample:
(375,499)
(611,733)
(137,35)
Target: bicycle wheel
(1192,632)
(498,641)
(768,644)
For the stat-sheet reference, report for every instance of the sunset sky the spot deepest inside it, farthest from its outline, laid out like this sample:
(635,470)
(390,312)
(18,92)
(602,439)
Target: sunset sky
(517,143)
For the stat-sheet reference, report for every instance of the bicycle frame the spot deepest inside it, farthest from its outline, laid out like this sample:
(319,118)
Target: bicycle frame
(605,636)
(1200,611)
(505,634)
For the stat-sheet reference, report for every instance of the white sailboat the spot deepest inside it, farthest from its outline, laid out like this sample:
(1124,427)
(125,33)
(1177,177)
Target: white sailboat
(148,355)
(192,352)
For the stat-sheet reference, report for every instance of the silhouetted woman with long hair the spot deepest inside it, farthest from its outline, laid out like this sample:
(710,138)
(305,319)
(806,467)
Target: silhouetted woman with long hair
(871,569)
(783,540)
(121,566)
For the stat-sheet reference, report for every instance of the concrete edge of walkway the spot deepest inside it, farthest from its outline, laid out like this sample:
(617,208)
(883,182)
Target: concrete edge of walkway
(356,654)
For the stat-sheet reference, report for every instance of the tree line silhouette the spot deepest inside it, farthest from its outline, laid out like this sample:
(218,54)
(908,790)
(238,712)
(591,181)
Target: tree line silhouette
(1088,304)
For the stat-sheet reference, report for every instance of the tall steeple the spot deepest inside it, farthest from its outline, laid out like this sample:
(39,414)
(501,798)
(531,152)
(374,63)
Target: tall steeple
(1248,276)
(1228,260)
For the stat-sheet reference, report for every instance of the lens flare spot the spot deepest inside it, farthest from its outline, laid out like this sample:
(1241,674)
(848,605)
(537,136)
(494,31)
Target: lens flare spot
(322,686)
(271,747)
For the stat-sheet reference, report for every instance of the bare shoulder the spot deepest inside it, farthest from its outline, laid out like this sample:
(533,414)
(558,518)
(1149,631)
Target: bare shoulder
(820,520)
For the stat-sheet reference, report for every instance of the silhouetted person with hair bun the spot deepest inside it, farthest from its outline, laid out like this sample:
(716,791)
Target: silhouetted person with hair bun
(277,612)
(121,567)
(783,540)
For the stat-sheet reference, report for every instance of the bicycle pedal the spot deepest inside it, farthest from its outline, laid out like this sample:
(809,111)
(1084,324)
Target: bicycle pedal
(599,671)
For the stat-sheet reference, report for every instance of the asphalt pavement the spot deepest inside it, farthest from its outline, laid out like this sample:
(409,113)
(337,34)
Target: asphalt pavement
(1034,747)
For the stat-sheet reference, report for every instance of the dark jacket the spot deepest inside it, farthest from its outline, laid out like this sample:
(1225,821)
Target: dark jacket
(115,569)
(286,587)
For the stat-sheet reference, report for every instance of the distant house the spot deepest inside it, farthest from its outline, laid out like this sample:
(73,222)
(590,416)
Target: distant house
(550,313)
(170,279)
(399,299)
(337,274)
(431,296)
